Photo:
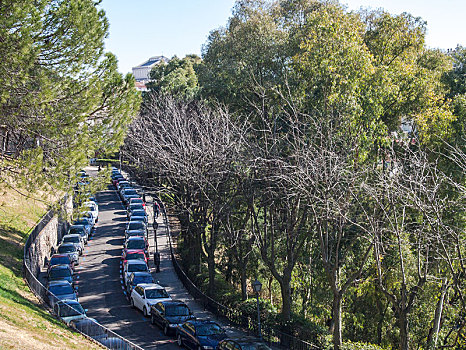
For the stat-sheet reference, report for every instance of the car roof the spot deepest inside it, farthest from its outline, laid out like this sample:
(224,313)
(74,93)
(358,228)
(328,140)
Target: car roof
(73,235)
(136,238)
(66,245)
(68,302)
(135,251)
(60,266)
(150,286)
(133,262)
(59,256)
(59,282)
(141,273)
(198,322)
(77,226)
(174,302)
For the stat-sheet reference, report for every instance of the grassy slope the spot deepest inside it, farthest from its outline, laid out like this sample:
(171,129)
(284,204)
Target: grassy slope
(23,324)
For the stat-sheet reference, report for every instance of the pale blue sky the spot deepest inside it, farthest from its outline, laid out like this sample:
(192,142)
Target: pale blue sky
(140,29)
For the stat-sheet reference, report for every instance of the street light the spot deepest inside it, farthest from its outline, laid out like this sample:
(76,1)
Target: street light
(257,286)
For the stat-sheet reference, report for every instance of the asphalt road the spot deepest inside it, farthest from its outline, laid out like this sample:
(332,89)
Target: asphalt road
(100,285)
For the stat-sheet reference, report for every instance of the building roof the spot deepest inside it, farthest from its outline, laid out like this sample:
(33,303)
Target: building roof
(152,61)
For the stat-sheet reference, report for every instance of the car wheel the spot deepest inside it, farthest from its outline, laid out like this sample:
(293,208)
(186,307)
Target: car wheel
(131,301)
(166,329)
(144,311)
(179,341)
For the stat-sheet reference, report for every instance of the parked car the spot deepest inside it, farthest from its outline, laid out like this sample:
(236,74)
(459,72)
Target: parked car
(116,178)
(135,225)
(199,334)
(243,343)
(133,266)
(71,250)
(88,215)
(60,290)
(121,185)
(92,208)
(60,259)
(129,191)
(80,230)
(135,233)
(61,272)
(136,278)
(69,310)
(138,214)
(87,224)
(132,208)
(136,254)
(144,295)
(76,239)
(136,243)
(137,200)
(169,314)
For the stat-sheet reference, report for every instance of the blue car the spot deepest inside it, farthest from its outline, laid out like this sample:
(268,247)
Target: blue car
(199,334)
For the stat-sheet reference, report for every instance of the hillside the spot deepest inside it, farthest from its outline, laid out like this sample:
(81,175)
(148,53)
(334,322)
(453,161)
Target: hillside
(23,323)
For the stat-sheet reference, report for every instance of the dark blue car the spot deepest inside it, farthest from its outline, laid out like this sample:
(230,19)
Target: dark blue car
(200,334)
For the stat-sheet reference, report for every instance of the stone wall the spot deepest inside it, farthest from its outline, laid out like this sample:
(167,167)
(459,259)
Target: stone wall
(48,238)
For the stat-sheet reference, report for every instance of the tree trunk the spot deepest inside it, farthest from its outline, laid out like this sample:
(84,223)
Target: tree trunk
(336,321)
(286,298)
(244,292)
(404,327)
(433,335)
(211,259)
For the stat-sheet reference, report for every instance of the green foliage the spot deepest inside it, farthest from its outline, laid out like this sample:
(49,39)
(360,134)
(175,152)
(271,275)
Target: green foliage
(62,99)
(177,78)
(361,346)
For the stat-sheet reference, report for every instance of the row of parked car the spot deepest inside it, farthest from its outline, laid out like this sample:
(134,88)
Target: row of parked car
(174,317)
(61,275)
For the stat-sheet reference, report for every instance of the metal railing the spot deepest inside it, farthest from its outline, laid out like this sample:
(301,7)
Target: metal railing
(235,317)
(70,315)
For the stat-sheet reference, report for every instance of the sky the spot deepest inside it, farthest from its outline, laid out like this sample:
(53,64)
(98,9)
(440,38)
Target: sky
(140,29)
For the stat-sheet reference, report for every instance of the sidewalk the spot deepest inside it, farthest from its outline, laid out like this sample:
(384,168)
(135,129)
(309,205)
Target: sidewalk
(168,278)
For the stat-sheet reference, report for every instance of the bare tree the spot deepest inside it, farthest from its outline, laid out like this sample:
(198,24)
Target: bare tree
(198,149)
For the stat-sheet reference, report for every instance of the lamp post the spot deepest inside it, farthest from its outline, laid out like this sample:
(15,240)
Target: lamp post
(155,225)
(257,286)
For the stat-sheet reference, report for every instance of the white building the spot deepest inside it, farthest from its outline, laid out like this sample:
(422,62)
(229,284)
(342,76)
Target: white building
(141,72)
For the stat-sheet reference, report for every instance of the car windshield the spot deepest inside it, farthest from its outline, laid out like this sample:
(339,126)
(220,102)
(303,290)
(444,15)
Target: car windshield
(135,256)
(177,310)
(130,191)
(66,310)
(82,222)
(209,329)
(156,293)
(136,206)
(61,289)
(57,273)
(143,279)
(137,201)
(71,239)
(75,230)
(254,346)
(137,267)
(57,260)
(67,249)
(136,244)
(138,212)
(136,225)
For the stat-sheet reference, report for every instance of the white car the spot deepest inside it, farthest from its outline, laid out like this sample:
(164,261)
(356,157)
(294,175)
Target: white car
(144,295)
(92,208)
(134,266)
(69,310)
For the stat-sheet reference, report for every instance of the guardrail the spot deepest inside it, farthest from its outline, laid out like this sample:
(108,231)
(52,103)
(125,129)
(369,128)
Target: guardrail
(86,326)
(235,317)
